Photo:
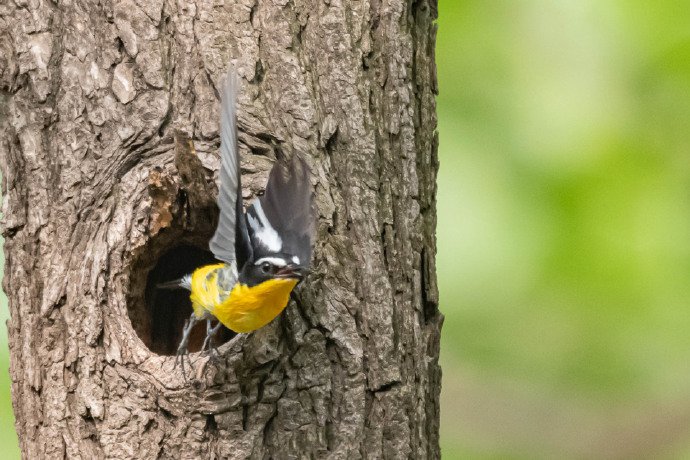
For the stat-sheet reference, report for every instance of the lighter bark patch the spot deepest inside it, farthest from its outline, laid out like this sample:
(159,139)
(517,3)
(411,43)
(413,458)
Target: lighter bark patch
(123,82)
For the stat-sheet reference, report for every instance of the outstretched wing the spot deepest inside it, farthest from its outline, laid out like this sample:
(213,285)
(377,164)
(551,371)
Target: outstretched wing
(282,220)
(230,243)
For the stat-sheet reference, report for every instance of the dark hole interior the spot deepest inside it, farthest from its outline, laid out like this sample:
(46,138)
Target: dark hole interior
(168,309)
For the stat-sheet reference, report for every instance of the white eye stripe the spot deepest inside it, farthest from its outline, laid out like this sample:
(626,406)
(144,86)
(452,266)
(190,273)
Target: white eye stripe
(277,261)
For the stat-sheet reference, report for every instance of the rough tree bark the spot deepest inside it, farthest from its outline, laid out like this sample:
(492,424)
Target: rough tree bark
(99,200)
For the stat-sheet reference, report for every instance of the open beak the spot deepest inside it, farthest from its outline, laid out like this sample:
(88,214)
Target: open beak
(291,271)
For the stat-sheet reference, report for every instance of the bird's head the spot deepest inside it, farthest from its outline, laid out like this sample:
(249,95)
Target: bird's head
(275,266)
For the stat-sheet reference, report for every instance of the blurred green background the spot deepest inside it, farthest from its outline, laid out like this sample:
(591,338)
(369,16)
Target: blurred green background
(8,437)
(564,236)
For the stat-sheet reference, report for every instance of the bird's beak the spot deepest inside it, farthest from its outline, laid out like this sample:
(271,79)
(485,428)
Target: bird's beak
(291,271)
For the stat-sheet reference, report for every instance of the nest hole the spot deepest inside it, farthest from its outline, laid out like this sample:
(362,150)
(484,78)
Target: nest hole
(159,315)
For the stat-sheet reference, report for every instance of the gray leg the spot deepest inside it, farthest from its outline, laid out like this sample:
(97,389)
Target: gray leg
(208,341)
(182,348)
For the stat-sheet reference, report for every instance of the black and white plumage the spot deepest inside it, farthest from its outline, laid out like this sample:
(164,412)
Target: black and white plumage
(282,220)
(277,225)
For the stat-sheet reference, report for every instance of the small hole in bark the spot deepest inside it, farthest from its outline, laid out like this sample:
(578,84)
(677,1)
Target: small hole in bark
(211,425)
(159,317)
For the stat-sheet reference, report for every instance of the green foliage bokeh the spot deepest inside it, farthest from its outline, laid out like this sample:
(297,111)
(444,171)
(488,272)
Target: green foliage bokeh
(564,244)
(8,437)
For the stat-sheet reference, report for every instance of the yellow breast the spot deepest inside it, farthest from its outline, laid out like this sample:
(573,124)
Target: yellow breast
(205,291)
(249,308)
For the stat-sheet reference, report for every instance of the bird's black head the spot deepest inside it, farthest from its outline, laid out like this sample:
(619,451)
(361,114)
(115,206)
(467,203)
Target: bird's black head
(281,226)
(278,266)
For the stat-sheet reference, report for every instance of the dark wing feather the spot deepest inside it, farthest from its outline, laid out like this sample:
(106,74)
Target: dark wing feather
(231,231)
(243,246)
(287,206)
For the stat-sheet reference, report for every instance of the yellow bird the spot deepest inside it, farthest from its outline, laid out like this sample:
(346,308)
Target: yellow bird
(264,252)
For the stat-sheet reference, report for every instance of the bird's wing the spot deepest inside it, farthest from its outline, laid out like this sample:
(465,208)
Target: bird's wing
(230,242)
(282,220)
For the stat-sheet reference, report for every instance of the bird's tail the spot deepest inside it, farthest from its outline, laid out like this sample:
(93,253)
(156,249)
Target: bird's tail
(183,283)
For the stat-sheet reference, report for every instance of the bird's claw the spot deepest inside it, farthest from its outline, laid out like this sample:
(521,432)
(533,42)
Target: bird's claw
(182,349)
(181,356)
(208,345)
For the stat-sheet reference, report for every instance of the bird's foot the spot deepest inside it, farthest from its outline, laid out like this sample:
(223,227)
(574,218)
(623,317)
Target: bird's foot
(180,358)
(208,345)
(183,348)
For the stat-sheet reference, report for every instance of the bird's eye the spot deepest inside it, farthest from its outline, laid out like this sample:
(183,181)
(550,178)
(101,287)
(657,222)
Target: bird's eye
(266,267)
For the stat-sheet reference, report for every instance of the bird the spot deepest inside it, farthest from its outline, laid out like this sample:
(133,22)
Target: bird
(262,253)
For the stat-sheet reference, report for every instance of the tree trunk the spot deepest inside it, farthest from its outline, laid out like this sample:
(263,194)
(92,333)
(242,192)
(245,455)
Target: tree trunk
(100,203)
